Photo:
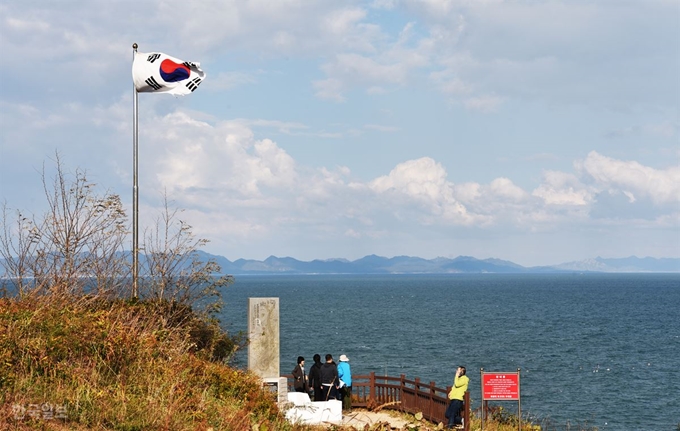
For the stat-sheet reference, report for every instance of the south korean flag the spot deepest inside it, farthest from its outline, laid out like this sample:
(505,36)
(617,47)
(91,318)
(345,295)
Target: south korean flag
(161,73)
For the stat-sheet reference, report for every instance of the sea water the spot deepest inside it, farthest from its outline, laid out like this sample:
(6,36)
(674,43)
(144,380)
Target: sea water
(594,350)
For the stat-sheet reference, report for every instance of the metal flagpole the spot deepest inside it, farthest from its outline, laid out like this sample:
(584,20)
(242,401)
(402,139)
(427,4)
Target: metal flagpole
(135,188)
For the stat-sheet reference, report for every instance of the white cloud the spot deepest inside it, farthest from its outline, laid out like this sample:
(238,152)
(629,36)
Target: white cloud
(559,188)
(246,172)
(501,202)
(423,181)
(195,157)
(468,192)
(599,173)
(504,188)
(423,177)
(660,185)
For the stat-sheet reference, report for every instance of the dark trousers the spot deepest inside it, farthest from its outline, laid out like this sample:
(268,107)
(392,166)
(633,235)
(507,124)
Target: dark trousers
(330,393)
(453,412)
(318,394)
(346,394)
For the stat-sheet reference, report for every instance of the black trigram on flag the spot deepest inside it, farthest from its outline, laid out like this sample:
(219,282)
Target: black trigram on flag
(153,57)
(151,82)
(193,84)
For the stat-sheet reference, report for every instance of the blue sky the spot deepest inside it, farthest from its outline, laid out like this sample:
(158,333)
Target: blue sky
(535,131)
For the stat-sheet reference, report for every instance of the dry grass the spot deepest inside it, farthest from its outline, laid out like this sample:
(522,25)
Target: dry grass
(122,366)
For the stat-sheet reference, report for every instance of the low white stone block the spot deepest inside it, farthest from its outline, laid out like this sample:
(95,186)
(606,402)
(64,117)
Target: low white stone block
(303,410)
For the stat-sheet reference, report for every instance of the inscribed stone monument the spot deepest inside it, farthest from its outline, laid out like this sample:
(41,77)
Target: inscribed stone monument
(263,334)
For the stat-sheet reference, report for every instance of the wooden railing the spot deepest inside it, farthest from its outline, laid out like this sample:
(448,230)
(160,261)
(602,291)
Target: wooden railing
(399,393)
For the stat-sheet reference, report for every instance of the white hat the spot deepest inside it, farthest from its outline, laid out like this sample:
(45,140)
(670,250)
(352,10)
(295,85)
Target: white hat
(344,358)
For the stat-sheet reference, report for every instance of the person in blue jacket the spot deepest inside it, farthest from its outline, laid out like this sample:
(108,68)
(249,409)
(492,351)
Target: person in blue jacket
(345,376)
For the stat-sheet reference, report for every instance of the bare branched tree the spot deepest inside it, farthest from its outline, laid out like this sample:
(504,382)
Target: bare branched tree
(173,269)
(75,246)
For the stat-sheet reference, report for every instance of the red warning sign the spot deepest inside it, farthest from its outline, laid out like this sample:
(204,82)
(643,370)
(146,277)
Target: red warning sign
(500,386)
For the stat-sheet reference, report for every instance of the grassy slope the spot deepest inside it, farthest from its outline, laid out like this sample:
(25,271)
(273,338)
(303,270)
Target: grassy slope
(119,366)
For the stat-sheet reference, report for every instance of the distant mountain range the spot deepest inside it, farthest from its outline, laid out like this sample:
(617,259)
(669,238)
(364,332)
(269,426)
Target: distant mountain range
(415,265)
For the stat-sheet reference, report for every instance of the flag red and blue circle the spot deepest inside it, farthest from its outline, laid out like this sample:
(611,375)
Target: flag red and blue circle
(173,72)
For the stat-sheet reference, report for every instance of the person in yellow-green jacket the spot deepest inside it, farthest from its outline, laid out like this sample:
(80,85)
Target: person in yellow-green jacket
(456,395)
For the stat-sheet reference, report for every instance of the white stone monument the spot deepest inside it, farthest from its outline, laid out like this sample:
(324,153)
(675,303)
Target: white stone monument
(263,346)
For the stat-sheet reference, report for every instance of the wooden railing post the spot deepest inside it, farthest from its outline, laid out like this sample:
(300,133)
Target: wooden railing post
(402,386)
(371,389)
(466,411)
(417,386)
(430,407)
(448,401)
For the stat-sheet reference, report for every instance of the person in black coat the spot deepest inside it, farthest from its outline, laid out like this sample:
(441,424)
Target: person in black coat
(315,378)
(299,376)
(329,379)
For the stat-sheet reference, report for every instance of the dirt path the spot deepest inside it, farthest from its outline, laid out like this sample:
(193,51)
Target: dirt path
(360,417)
